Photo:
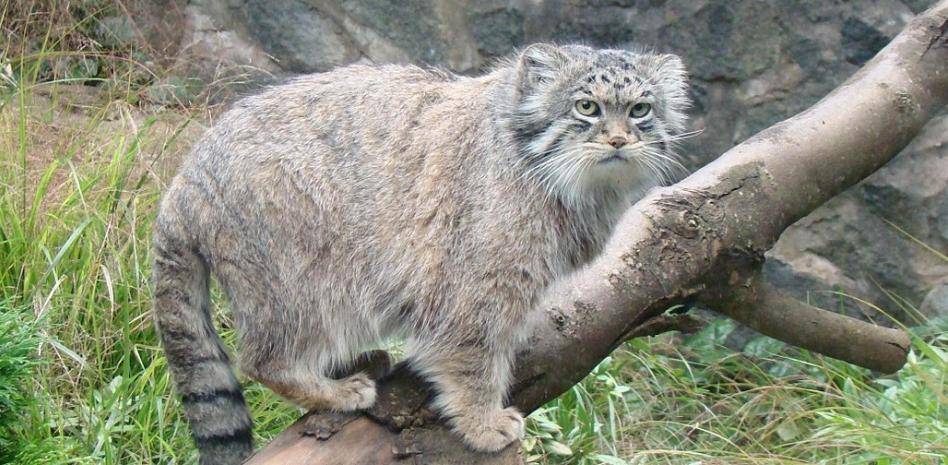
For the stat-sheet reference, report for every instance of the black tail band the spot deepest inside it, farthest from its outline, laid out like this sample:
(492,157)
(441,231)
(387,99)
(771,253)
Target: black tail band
(240,436)
(205,397)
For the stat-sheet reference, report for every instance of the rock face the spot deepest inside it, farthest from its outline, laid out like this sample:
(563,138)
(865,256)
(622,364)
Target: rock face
(753,63)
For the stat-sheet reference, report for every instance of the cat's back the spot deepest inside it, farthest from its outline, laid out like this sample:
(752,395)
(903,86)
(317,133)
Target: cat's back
(347,98)
(346,117)
(353,148)
(334,125)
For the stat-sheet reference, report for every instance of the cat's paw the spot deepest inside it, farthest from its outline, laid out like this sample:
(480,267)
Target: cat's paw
(491,431)
(355,392)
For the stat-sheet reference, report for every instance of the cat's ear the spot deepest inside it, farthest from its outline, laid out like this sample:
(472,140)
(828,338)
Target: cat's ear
(671,70)
(539,63)
(672,78)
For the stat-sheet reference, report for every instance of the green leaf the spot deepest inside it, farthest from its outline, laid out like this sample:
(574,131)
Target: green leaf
(788,430)
(557,448)
(609,459)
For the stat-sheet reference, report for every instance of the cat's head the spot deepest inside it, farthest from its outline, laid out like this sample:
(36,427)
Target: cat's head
(585,119)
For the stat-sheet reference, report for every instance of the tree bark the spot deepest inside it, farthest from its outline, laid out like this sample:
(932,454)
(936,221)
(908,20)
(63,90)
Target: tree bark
(701,239)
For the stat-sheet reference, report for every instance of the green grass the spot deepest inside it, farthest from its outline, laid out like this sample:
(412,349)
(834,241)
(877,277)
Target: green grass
(671,401)
(83,380)
(74,245)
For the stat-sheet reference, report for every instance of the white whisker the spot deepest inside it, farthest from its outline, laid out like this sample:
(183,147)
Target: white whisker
(666,163)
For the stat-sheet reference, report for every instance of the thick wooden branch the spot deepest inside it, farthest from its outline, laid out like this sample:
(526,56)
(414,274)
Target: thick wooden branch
(677,244)
(765,309)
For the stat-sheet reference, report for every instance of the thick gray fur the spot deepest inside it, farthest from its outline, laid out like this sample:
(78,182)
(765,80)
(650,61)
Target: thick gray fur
(366,203)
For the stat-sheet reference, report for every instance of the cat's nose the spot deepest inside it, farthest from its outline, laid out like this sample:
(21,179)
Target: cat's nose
(618,141)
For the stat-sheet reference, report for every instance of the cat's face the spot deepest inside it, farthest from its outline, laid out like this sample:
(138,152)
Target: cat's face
(587,119)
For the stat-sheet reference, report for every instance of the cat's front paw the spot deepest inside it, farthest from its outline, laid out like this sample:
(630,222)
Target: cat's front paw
(490,431)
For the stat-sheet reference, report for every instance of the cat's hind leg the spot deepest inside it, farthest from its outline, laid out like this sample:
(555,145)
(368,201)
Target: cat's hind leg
(290,349)
(312,388)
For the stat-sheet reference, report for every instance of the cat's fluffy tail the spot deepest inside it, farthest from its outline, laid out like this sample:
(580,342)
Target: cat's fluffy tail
(210,394)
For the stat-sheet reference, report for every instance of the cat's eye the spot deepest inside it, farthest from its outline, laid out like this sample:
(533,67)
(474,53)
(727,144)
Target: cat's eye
(587,107)
(639,110)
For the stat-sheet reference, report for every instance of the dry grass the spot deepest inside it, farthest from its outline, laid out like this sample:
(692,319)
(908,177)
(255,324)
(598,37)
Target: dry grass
(75,125)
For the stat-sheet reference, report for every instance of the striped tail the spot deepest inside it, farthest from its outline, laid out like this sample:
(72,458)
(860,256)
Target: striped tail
(210,394)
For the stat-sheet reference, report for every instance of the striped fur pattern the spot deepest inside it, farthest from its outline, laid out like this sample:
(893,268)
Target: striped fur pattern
(366,203)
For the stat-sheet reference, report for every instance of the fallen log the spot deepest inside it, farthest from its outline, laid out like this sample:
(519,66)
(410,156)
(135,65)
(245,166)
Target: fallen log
(702,239)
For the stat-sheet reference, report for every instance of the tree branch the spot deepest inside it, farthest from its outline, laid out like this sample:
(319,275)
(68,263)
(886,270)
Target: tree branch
(721,219)
(675,243)
(767,310)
